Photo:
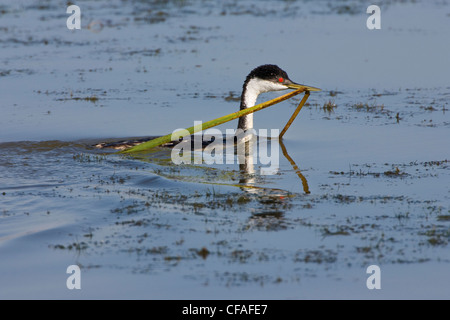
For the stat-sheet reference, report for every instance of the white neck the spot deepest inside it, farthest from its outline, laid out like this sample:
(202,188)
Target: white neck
(249,100)
(253,89)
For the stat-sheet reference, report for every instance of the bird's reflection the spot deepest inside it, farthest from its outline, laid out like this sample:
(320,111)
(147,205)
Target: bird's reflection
(269,214)
(249,147)
(245,147)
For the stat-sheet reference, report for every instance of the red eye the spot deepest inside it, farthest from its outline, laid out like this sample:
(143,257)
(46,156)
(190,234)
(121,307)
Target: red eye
(280,79)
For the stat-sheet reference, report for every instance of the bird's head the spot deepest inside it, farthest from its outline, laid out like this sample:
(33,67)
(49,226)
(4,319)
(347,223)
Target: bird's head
(270,77)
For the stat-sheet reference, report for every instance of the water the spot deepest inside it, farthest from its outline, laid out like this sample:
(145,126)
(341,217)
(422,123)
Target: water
(372,185)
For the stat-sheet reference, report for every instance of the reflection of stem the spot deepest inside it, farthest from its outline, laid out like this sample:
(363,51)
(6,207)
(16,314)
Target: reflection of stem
(300,106)
(297,170)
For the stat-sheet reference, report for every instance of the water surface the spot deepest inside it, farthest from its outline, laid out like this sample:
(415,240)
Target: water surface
(364,178)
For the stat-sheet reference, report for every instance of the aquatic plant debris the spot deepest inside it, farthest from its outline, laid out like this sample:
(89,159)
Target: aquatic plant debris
(294,115)
(212,123)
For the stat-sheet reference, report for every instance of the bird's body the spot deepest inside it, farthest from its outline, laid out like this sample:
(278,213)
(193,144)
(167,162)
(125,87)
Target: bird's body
(264,78)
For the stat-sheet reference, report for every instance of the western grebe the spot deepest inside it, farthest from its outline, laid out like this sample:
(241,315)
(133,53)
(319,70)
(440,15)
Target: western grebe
(265,78)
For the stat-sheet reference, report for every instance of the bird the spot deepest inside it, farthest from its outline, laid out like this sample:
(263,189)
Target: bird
(264,78)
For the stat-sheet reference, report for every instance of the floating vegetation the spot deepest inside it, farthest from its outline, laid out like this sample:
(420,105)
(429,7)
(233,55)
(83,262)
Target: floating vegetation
(233,97)
(429,108)
(395,173)
(203,252)
(93,99)
(329,106)
(334,93)
(316,256)
(77,246)
(145,53)
(88,158)
(368,108)
(437,235)
(340,231)
(4,73)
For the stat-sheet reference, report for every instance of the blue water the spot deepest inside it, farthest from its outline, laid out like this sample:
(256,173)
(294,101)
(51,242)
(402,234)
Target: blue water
(376,166)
